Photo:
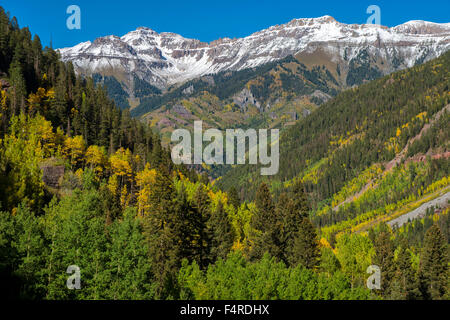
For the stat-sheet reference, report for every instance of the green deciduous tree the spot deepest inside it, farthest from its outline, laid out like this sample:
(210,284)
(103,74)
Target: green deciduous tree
(129,263)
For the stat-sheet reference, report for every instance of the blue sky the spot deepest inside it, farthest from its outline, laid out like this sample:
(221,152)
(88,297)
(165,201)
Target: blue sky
(201,19)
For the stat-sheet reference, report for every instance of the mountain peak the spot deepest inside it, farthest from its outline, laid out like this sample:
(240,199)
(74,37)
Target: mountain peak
(423,27)
(326,18)
(146,30)
(164,59)
(311,21)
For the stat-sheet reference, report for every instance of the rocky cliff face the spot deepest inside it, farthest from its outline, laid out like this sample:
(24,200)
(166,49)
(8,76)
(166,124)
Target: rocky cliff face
(165,59)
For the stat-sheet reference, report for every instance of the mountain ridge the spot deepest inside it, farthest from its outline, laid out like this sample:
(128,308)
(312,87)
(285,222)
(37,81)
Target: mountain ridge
(164,59)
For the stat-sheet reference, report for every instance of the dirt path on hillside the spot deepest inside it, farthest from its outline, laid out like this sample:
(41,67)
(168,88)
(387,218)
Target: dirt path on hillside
(401,156)
(441,202)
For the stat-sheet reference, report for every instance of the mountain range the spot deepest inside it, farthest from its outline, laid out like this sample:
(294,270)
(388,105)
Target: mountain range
(164,59)
(270,78)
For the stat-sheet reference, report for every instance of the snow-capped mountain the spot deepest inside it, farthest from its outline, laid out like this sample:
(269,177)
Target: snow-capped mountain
(164,59)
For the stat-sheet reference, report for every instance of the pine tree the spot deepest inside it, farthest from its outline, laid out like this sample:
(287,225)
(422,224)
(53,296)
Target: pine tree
(233,198)
(265,226)
(111,204)
(384,258)
(404,284)
(305,250)
(159,230)
(222,233)
(189,226)
(299,201)
(58,108)
(203,245)
(18,91)
(292,208)
(433,270)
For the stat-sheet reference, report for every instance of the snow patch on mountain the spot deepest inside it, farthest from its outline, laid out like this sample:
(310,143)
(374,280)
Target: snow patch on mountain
(166,58)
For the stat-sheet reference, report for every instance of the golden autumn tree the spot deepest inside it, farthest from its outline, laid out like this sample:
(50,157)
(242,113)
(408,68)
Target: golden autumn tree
(120,163)
(48,139)
(40,101)
(96,159)
(3,103)
(74,149)
(145,179)
(121,173)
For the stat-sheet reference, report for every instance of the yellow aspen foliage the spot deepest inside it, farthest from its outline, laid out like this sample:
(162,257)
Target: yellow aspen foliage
(40,101)
(422,115)
(445,181)
(323,243)
(120,163)
(22,148)
(145,180)
(74,149)
(124,197)
(435,217)
(50,94)
(48,138)
(79,174)
(181,175)
(238,246)
(96,158)
(35,100)
(113,184)
(3,100)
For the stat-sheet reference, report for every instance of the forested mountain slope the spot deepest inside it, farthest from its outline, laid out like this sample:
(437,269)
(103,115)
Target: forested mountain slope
(273,95)
(363,141)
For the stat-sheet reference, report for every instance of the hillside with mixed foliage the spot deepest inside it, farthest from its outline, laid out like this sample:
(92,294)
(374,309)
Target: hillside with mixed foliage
(274,95)
(370,154)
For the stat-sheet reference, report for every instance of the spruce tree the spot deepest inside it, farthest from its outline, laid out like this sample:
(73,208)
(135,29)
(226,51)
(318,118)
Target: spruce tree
(292,208)
(305,250)
(265,226)
(222,233)
(18,88)
(233,198)
(203,237)
(433,270)
(160,231)
(404,283)
(384,258)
